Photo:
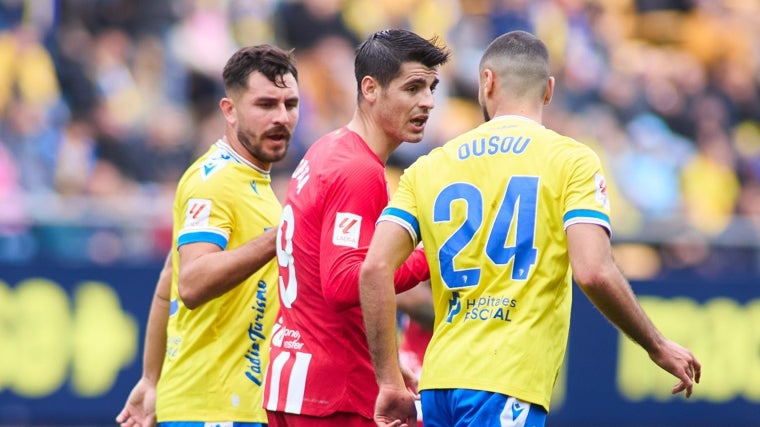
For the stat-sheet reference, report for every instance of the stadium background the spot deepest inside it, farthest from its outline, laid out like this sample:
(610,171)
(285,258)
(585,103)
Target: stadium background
(104,102)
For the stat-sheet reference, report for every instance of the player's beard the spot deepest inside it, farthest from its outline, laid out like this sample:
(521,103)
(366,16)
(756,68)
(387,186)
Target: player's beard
(257,150)
(486,116)
(482,103)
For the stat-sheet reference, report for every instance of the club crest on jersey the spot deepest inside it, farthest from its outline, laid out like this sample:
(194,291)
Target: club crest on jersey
(198,212)
(601,191)
(346,229)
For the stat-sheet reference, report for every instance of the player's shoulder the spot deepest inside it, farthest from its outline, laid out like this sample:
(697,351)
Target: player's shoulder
(568,146)
(213,168)
(341,152)
(219,160)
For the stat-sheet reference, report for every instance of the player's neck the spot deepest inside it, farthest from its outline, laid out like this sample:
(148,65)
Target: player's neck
(529,113)
(373,135)
(235,145)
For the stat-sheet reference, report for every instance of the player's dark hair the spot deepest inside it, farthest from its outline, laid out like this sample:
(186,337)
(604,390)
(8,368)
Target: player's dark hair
(519,45)
(516,43)
(382,54)
(522,59)
(269,60)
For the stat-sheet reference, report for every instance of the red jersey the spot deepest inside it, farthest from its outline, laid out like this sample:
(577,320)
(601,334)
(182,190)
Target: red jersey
(414,342)
(319,361)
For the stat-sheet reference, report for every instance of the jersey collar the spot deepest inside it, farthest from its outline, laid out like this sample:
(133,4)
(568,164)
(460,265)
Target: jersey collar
(223,145)
(514,117)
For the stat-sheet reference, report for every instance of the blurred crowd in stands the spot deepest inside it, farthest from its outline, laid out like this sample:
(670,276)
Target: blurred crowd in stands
(103,104)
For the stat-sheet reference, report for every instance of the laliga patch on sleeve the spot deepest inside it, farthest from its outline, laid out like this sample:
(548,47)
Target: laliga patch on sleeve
(346,230)
(601,191)
(198,212)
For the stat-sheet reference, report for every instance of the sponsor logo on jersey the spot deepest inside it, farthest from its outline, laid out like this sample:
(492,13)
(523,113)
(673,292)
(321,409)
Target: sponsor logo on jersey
(255,189)
(483,308)
(489,307)
(257,336)
(286,338)
(198,212)
(455,306)
(601,191)
(346,229)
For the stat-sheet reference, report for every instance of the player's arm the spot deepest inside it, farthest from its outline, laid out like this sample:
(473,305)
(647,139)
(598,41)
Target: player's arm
(340,265)
(390,246)
(140,408)
(155,333)
(605,286)
(414,270)
(206,271)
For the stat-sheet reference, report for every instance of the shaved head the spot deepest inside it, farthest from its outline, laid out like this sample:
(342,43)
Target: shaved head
(520,61)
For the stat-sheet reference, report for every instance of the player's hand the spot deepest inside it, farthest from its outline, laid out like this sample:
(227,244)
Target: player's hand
(140,408)
(411,380)
(395,408)
(681,363)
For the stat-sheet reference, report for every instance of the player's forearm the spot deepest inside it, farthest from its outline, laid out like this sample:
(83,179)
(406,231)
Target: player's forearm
(155,332)
(615,299)
(601,280)
(155,339)
(214,274)
(379,310)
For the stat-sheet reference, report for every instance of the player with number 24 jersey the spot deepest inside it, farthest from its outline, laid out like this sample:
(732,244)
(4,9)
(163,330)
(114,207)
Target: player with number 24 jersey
(501,275)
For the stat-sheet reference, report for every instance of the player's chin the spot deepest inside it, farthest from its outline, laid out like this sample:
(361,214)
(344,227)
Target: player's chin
(276,155)
(413,138)
(414,135)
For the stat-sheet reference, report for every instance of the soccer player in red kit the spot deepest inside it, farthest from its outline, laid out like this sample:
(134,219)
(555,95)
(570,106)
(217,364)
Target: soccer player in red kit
(320,372)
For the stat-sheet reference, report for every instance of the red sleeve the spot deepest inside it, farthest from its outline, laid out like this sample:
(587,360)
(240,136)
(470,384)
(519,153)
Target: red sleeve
(358,191)
(413,271)
(354,197)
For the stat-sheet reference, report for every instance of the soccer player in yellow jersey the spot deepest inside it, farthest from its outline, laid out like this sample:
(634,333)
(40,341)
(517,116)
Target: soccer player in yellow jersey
(223,296)
(509,213)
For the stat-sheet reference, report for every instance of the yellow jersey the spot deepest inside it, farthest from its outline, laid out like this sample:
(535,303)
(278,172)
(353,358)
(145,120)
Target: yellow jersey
(217,353)
(491,208)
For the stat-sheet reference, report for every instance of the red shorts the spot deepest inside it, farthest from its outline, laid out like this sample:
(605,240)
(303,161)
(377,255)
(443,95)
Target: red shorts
(344,419)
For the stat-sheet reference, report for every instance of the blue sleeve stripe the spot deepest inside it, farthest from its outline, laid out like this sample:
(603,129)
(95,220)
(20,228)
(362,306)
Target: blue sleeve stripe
(202,236)
(404,217)
(587,216)
(574,215)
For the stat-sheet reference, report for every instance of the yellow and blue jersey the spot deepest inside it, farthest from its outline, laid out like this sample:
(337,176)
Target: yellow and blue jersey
(217,353)
(491,208)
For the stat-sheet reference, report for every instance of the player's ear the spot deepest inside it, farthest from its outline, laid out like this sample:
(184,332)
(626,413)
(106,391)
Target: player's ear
(549,90)
(488,82)
(227,105)
(369,88)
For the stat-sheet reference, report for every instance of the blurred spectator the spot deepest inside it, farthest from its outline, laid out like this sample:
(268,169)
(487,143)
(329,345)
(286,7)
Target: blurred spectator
(324,48)
(14,220)
(301,24)
(107,101)
(649,169)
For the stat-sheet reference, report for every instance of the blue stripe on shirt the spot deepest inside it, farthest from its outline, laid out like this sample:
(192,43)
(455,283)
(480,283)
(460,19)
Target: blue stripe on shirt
(586,213)
(405,217)
(202,236)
